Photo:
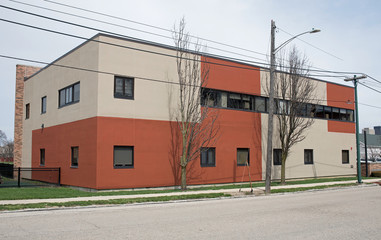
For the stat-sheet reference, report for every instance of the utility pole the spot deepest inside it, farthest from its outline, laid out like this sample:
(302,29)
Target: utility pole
(271,112)
(366,155)
(355,81)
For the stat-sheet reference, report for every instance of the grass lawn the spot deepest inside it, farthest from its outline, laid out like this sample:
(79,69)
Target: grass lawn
(113,201)
(67,192)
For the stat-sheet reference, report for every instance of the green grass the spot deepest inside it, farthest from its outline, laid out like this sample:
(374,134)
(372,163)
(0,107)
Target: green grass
(111,202)
(300,189)
(66,192)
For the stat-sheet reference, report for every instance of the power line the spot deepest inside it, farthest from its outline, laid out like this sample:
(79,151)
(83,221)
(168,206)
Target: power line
(368,105)
(152,26)
(369,87)
(131,38)
(311,45)
(373,78)
(130,28)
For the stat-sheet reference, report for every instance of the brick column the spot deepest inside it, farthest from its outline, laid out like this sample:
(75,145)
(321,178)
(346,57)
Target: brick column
(22,72)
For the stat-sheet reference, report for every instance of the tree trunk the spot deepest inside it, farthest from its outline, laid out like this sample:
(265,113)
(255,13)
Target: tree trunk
(183,178)
(283,171)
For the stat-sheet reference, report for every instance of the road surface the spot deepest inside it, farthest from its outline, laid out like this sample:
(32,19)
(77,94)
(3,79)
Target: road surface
(350,213)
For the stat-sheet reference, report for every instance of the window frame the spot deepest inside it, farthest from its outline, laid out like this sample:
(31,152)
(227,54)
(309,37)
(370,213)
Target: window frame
(69,92)
(125,165)
(279,162)
(248,156)
(342,157)
(207,150)
(311,151)
(43,104)
(27,111)
(72,164)
(42,157)
(125,79)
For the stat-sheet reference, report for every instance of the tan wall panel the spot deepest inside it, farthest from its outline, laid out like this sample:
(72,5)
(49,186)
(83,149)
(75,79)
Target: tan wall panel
(327,149)
(151,98)
(49,81)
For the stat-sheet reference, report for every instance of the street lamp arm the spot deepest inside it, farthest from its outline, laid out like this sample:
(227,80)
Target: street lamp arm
(289,40)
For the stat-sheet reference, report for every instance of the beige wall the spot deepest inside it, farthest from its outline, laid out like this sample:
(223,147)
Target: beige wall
(151,99)
(48,82)
(327,147)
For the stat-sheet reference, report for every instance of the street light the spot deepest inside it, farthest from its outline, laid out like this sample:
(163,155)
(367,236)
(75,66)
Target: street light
(354,79)
(271,100)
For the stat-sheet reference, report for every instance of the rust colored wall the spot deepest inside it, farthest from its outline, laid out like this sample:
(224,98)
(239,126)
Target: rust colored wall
(57,142)
(22,72)
(240,78)
(338,96)
(341,127)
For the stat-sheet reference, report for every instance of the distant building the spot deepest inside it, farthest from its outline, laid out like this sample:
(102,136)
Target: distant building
(106,122)
(373,142)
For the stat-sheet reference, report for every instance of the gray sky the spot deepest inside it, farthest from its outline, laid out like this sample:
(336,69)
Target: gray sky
(349,38)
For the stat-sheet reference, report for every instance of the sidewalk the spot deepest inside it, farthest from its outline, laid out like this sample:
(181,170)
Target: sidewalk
(257,191)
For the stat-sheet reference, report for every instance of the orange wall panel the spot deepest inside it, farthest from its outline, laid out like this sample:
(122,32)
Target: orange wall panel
(57,142)
(342,127)
(340,96)
(238,78)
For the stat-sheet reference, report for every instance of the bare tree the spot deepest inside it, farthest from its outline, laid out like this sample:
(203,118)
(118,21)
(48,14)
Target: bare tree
(197,125)
(293,105)
(6,146)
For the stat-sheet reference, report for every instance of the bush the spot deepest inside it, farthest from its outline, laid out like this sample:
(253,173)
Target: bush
(376,174)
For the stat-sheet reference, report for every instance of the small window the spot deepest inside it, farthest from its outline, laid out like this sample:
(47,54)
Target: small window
(350,115)
(42,157)
(124,87)
(335,113)
(208,98)
(74,156)
(277,157)
(260,104)
(243,157)
(43,105)
(208,157)
(308,156)
(327,112)
(123,157)
(345,156)
(27,111)
(69,95)
(319,111)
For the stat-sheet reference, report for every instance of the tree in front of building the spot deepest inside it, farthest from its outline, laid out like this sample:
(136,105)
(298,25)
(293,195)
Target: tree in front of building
(294,103)
(196,124)
(6,147)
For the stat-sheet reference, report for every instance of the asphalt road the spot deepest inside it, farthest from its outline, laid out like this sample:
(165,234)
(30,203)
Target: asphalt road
(351,213)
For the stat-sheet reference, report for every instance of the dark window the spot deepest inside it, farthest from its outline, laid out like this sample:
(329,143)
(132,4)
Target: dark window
(350,115)
(260,104)
(343,115)
(243,157)
(42,157)
(27,111)
(335,113)
(123,157)
(208,98)
(69,95)
(319,111)
(208,157)
(277,157)
(74,156)
(345,156)
(327,112)
(234,100)
(308,156)
(43,104)
(124,87)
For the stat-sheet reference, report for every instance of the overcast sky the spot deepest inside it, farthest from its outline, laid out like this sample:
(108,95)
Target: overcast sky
(349,39)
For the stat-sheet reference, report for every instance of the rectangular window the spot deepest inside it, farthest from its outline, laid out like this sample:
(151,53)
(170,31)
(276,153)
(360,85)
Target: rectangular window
(277,157)
(69,95)
(124,87)
(42,157)
(74,156)
(208,98)
(208,157)
(123,157)
(243,157)
(27,111)
(319,111)
(345,156)
(260,104)
(335,113)
(43,105)
(327,112)
(308,156)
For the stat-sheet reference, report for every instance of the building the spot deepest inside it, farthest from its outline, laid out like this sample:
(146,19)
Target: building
(373,142)
(106,122)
